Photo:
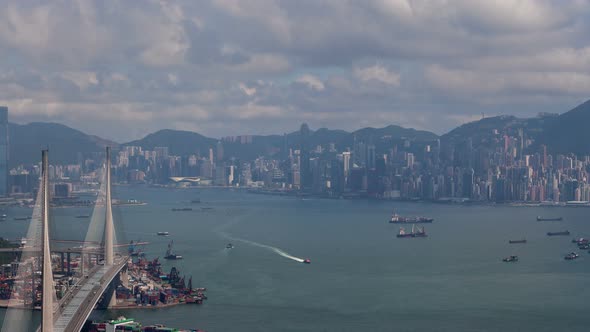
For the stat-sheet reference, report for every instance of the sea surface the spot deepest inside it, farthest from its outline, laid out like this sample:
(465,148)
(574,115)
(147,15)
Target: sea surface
(361,277)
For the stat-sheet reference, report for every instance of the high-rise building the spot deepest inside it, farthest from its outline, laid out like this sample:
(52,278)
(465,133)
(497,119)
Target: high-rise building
(3,151)
(219,151)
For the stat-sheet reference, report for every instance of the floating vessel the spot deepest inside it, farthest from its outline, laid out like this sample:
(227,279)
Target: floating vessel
(196,201)
(571,256)
(558,233)
(22,218)
(415,233)
(510,259)
(539,218)
(182,209)
(307,261)
(402,233)
(580,241)
(397,219)
(229,246)
(163,233)
(83,216)
(517,241)
(169,254)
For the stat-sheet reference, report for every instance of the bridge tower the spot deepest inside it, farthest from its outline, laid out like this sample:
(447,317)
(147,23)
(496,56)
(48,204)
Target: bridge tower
(108,226)
(48,288)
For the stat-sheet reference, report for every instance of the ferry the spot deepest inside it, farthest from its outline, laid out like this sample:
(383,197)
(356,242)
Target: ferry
(307,261)
(163,233)
(510,259)
(558,233)
(539,218)
(571,256)
(169,254)
(397,219)
(517,241)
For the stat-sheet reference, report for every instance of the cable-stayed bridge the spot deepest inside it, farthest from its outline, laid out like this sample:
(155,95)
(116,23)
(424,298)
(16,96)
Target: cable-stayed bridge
(99,268)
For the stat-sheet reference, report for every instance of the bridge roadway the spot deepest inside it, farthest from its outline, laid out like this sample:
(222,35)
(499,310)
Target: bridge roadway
(75,308)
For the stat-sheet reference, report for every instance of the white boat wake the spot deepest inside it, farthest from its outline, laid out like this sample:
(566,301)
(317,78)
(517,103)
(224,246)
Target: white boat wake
(260,245)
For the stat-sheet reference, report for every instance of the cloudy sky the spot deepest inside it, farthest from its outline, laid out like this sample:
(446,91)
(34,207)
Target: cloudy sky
(122,69)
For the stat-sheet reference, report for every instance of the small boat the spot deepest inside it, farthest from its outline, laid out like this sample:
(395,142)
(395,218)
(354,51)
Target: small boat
(539,218)
(163,233)
(229,246)
(571,256)
(182,209)
(517,241)
(580,241)
(307,261)
(510,259)
(169,254)
(558,233)
(584,246)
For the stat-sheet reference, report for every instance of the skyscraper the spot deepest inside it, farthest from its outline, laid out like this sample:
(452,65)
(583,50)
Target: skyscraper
(3,151)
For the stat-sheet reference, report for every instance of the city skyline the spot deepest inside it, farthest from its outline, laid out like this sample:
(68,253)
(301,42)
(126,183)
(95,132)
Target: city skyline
(217,66)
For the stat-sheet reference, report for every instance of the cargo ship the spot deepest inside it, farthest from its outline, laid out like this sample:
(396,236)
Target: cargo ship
(129,324)
(558,233)
(517,241)
(415,233)
(397,219)
(539,218)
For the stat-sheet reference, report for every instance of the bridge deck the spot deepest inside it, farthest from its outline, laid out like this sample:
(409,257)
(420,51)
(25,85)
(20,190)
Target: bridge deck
(76,307)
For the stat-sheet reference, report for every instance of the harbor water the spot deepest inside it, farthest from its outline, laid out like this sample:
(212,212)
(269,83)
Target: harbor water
(361,277)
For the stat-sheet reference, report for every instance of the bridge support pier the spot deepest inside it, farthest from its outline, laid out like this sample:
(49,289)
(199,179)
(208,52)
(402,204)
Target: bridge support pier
(69,262)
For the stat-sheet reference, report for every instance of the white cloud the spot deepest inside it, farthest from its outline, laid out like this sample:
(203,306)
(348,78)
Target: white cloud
(377,73)
(313,82)
(246,90)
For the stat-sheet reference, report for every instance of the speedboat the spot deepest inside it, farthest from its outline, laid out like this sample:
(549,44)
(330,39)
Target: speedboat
(229,246)
(510,259)
(571,256)
(307,261)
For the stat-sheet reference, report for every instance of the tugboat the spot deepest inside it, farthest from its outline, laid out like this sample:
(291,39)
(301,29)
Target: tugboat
(163,233)
(229,246)
(402,233)
(571,256)
(307,261)
(397,219)
(510,259)
(517,241)
(558,233)
(169,254)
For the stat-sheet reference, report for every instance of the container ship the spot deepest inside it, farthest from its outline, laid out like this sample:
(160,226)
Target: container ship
(397,219)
